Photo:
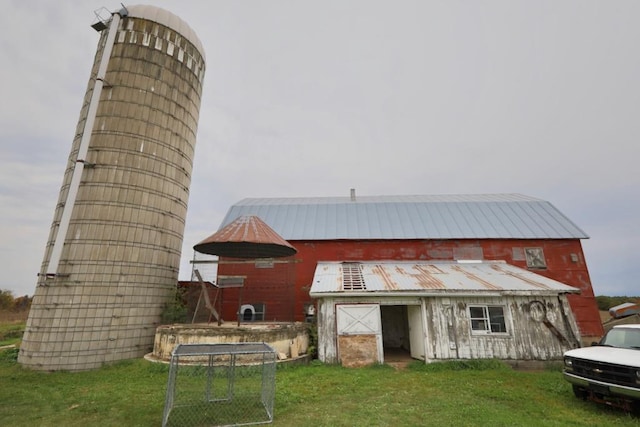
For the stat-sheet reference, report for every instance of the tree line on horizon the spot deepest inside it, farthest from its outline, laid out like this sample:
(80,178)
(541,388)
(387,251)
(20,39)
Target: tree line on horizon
(606,302)
(8,302)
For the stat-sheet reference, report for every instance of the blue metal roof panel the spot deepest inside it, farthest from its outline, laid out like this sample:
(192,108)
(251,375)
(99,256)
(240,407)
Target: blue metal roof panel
(489,216)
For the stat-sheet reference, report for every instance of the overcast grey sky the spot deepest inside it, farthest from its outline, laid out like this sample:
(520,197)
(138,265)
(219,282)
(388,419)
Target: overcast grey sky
(398,97)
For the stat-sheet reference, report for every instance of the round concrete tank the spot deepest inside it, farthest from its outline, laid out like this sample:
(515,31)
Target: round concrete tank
(112,258)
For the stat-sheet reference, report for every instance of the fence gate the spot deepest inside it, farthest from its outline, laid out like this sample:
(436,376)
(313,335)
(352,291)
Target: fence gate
(359,334)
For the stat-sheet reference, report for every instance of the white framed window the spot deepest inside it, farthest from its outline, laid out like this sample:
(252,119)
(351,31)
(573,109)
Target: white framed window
(487,319)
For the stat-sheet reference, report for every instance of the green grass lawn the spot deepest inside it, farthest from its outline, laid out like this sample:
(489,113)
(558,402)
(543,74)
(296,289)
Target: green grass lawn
(132,393)
(11,332)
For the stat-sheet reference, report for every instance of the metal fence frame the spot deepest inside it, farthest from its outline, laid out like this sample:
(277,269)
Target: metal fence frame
(221,382)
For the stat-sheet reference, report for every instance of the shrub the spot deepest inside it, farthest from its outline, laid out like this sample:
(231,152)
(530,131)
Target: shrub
(313,340)
(6,299)
(175,311)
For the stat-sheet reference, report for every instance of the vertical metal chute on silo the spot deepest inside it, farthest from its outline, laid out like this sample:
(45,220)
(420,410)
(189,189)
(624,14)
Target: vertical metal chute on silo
(72,192)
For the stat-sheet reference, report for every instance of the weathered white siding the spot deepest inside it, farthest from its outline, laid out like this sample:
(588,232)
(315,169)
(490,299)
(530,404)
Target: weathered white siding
(327,339)
(530,321)
(327,327)
(527,337)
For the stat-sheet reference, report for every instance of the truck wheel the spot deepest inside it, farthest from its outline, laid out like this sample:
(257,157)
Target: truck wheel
(579,392)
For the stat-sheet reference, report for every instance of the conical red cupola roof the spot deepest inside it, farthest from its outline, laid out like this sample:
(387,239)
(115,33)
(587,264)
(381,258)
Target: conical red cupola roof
(246,237)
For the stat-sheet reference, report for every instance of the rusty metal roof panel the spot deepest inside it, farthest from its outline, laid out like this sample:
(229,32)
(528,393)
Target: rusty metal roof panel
(480,216)
(246,237)
(442,277)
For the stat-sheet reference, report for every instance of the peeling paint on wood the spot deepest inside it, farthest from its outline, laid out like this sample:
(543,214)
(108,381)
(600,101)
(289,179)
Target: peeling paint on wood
(449,334)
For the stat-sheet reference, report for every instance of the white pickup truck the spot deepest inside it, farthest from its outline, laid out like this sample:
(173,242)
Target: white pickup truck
(609,371)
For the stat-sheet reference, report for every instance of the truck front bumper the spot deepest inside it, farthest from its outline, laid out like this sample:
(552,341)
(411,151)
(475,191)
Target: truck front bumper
(603,387)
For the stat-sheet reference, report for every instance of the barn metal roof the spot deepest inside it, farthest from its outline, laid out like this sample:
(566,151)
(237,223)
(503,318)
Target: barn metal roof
(479,216)
(430,278)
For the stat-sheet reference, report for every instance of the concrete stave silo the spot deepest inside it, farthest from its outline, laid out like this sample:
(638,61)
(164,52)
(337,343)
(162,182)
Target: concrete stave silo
(113,253)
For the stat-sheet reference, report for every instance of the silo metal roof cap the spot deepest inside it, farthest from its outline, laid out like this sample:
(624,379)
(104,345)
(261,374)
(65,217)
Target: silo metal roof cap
(246,237)
(168,19)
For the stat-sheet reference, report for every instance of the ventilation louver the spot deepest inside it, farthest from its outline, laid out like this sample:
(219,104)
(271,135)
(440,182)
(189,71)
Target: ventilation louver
(352,279)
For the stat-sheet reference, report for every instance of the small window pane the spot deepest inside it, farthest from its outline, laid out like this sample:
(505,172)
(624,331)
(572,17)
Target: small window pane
(496,320)
(487,319)
(479,319)
(479,325)
(476,312)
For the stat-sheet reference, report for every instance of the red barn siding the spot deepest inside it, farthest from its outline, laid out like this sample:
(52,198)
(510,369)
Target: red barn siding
(285,287)
(273,287)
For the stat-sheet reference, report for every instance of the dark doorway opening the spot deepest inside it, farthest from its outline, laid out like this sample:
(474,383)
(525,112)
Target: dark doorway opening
(395,333)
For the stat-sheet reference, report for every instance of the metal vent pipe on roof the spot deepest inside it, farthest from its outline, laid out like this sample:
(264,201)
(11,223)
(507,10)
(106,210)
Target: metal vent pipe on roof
(353,194)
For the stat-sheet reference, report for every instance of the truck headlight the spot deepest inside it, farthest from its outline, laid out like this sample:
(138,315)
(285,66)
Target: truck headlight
(568,363)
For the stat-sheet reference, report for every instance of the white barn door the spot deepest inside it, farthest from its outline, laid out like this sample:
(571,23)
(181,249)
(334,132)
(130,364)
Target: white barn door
(360,319)
(416,331)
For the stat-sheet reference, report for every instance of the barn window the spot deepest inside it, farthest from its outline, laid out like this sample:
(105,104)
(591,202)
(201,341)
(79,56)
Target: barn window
(487,319)
(535,258)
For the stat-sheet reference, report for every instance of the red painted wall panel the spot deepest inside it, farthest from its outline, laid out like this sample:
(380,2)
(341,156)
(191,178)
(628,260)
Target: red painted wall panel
(285,287)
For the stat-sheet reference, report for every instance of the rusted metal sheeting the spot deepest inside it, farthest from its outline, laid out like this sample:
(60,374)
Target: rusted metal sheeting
(246,237)
(436,278)
(625,309)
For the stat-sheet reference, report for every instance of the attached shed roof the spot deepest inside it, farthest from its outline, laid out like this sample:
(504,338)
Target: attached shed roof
(480,216)
(441,278)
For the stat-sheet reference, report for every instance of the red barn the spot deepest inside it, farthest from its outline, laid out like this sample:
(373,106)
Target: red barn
(522,231)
